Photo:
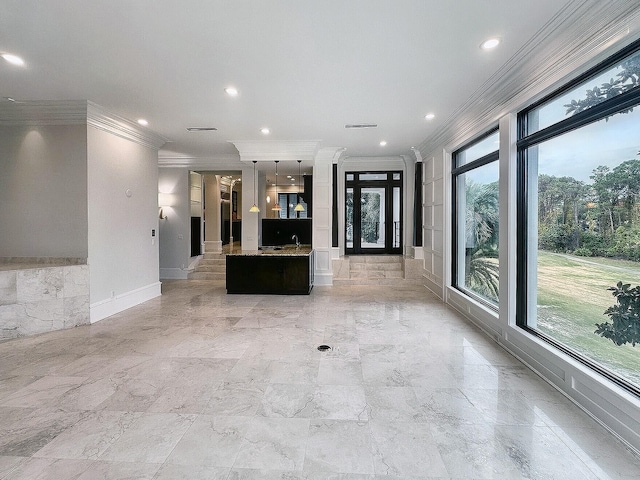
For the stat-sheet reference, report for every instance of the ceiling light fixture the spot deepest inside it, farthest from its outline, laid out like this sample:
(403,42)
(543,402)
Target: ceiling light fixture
(13,59)
(231,91)
(430,116)
(276,207)
(265,131)
(383,143)
(490,43)
(299,207)
(143,122)
(254,208)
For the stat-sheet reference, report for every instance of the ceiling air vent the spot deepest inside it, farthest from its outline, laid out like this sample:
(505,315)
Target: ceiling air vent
(202,129)
(361,125)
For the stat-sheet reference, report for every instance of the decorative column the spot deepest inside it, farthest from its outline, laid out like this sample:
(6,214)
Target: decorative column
(322,213)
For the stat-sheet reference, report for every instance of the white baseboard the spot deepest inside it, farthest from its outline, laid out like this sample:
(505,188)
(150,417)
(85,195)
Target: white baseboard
(173,274)
(111,306)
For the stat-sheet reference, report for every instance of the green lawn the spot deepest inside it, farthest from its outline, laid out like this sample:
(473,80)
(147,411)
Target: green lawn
(572,297)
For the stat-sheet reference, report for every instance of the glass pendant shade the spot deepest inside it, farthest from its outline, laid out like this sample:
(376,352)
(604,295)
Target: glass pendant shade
(299,207)
(276,207)
(254,208)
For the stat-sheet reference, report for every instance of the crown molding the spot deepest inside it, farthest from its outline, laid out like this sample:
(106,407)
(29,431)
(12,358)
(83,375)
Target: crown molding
(98,117)
(268,151)
(218,162)
(579,36)
(76,112)
(38,113)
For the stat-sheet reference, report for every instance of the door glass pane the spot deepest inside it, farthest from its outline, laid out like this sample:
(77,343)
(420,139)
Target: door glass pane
(372,221)
(372,176)
(349,218)
(396,217)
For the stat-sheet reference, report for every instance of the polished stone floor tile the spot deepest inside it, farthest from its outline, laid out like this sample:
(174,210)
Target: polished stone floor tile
(49,469)
(150,439)
(339,446)
(90,437)
(274,443)
(405,448)
(211,440)
(198,384)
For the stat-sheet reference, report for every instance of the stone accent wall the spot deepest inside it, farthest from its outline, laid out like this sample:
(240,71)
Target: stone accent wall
(42,297)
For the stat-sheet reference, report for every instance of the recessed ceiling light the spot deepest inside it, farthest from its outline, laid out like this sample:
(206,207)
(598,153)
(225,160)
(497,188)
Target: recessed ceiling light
(143,122)
(13,59)
(265,131)
(231,91)
(490,43)
(383,143)
(430,116)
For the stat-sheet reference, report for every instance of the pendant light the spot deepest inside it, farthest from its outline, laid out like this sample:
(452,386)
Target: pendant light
(254,208)
(299,207)
(277,207)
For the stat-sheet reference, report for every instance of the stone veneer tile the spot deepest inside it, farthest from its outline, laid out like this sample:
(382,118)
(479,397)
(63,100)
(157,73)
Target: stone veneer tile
(8,288)
(76,311)
(76,280)
(39,284)
(43,316)
(9,315)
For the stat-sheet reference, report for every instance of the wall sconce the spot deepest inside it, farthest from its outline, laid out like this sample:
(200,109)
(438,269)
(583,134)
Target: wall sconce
(164,201)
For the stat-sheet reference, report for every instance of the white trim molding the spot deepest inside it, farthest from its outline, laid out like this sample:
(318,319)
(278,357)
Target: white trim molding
(77,112)
(263,151)
(116,304)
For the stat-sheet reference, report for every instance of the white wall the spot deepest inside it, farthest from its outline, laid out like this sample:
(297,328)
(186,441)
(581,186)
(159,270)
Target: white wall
(123,211)
(43,191)
(175,229)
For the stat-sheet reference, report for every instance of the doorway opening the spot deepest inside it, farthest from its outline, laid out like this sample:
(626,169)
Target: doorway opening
(373,219)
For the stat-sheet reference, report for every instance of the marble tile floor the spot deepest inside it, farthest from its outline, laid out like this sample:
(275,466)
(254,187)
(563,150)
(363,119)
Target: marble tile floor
(198,384)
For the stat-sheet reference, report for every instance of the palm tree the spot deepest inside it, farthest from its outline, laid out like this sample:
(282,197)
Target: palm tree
(482,217)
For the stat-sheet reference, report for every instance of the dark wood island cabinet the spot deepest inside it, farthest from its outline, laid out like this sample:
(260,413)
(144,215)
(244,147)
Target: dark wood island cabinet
(276,270)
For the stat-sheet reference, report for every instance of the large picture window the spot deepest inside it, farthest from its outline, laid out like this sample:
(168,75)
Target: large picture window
(579,219)
(475,210)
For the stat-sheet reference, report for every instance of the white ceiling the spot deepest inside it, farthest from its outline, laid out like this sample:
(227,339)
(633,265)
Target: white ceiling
(304,68)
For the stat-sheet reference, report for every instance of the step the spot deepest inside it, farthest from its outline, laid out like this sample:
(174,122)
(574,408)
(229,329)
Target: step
(221,277)
(370,267)
(359,259)
(211,268)
(213,256)
(374,281)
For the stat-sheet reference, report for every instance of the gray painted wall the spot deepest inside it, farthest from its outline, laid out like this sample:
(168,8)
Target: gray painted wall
(174,251)
(43,191)
(123,256)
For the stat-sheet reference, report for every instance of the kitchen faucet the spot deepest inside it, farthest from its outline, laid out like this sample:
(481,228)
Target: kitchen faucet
(295,237)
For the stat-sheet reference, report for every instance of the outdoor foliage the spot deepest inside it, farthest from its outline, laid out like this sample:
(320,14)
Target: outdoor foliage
(598,219)
(625,316)
(482,217)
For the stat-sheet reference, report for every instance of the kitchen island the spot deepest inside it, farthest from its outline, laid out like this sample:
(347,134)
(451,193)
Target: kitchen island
(286,270)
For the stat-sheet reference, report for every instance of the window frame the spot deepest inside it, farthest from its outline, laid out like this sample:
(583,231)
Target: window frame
(609,107)
(455,172)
